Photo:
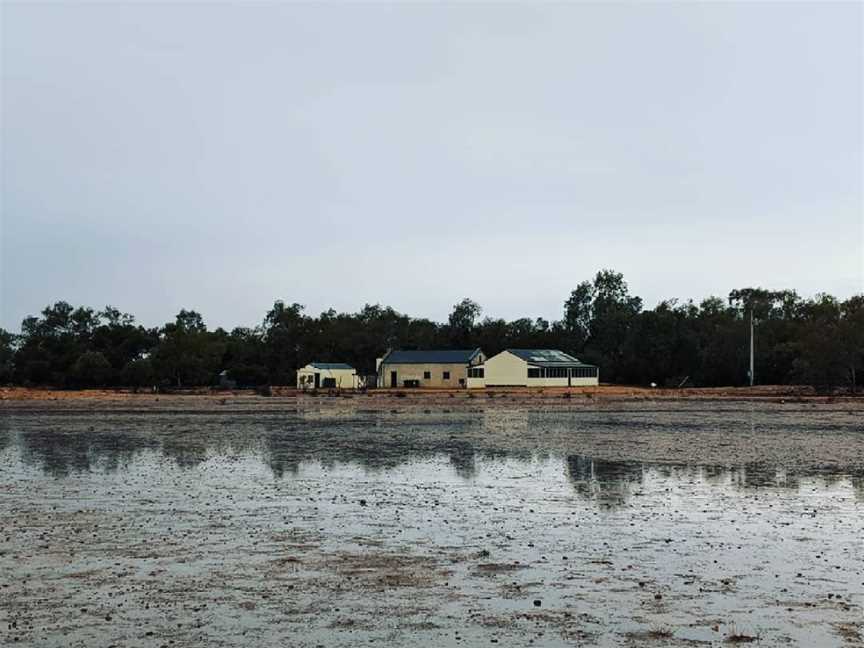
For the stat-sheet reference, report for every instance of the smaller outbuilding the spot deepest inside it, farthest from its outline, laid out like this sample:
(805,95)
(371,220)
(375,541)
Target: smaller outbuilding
(327,375)
(533,368)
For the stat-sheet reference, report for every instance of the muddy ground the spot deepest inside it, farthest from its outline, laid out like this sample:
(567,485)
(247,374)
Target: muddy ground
(437,520)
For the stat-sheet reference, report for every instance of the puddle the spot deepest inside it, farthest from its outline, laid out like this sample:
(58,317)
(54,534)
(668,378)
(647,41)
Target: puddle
(443,528)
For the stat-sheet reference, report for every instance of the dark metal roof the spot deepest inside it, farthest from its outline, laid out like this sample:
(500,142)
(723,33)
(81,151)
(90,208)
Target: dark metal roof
(435,356)
(547,358)
(331,365)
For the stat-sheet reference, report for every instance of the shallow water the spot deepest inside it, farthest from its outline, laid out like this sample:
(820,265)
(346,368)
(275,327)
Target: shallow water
(310,528)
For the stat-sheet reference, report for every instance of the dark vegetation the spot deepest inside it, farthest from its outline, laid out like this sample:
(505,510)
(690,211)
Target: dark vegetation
(817,341)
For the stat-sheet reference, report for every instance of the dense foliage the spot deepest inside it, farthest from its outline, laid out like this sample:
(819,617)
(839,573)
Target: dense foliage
(818,341)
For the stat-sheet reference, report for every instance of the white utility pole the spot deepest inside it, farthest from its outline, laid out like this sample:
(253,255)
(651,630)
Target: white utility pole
(751,347)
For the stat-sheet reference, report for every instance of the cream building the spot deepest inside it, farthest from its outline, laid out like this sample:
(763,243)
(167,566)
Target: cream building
(533,368)
(436,368)
(327,375)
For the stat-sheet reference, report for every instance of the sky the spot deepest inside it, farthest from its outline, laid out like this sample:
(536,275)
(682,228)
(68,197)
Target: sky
(222,156)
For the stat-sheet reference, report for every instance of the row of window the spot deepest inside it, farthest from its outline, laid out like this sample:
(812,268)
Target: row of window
(427,375)
(562,372)
(533,372)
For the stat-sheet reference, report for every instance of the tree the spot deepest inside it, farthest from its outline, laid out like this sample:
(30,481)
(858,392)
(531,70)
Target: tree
(285,332)
(138,373)
(186,354)
(614,313)
(850,338)
(121,341)
(818,341)
(578,314)
(7,355)
(244,357)
(190,322)
(462,322)
(51,344)
(91,370)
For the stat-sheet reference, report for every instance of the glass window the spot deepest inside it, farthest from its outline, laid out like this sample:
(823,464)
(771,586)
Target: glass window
(533,372)
(427,375)
(446,375)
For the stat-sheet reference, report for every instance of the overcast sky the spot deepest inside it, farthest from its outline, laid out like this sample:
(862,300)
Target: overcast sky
(222,156)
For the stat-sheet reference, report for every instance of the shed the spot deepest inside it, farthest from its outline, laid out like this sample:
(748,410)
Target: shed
(327,375)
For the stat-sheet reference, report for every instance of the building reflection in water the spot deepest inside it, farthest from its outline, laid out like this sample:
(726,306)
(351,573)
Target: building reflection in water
(607,482)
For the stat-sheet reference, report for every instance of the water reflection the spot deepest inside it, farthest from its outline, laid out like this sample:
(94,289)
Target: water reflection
(186,450)
(613,483)
(59,455)
(376,444)
(607,482)
(285,450)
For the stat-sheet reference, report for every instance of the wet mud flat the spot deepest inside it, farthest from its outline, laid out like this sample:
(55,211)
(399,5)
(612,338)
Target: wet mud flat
(314,522)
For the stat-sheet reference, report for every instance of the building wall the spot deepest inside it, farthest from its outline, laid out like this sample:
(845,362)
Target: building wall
(506,369)
(345,378)
(476,383)
(562,382)
(415,372)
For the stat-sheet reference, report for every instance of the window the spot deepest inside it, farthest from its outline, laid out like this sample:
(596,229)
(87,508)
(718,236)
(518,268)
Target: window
(427,375)
(476,372)
(533,372)
(446,375)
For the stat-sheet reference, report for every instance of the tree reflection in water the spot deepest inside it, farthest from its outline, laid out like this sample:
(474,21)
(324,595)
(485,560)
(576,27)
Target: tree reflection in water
(62,445)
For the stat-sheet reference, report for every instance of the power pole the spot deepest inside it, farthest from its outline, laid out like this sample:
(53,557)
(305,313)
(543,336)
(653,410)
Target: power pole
(751,347)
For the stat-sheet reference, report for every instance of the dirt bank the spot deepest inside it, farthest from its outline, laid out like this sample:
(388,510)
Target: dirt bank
(384,397)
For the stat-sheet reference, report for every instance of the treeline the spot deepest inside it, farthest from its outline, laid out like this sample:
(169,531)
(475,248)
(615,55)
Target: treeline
(817,341)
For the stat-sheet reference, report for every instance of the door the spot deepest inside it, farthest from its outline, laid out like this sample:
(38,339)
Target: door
(392,378)
(317,380)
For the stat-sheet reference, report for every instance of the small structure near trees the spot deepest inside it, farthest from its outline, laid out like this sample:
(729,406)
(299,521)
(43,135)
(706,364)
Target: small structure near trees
(327,375)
